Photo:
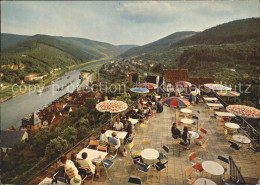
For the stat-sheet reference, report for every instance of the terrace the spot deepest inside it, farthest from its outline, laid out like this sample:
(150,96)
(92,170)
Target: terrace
(244,164)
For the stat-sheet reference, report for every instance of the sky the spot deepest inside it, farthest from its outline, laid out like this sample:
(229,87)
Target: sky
(115,22)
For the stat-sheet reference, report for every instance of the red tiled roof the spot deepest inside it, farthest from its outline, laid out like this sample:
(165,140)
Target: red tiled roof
(175,75)
(57,120)
(200,80)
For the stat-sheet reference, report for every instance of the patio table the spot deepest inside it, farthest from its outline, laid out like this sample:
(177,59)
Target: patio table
(210,99)
(120,134)
(203,181)
(149,155)
(187,121)
(194,135)
(215,105)
(133,121)
(188,111)
(95,156)
(228,114)
(48,181)
(241,139)
(213,167)
(232,125)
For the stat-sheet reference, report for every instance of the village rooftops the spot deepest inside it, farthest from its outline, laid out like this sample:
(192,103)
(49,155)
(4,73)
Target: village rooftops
(10,138)
(198,81)
(175,75)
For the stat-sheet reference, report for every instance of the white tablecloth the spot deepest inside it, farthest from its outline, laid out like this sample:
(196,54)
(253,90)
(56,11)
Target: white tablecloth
(241,139)
(133,121)
(186,121)
(204,181)
(149,154)
(194,135)
(214,104)
(228,114)
(212,167)
(186,111)
(93,155)
(210,99)
(232,125)
(120,135)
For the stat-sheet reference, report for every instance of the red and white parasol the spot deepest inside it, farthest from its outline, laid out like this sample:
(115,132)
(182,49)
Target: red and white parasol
(244,111)
(112,106)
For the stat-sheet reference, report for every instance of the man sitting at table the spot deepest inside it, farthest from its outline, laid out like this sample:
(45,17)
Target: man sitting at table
(86,163)
(176,133)
(115,141)
(102,136)
(118,125)
(67,169)
(140,113)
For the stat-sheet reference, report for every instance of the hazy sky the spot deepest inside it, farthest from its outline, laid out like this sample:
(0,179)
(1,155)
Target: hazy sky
(126,22)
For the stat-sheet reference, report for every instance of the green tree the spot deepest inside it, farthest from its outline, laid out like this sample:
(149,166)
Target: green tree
(70,134)
(55,148)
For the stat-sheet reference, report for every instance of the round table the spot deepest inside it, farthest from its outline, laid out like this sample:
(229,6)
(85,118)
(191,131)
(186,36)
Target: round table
(232,125)
(188,111)
(194,135)
(133,121)
(212,167)
(149,154)
(203,181)
(187,121)
(241,139)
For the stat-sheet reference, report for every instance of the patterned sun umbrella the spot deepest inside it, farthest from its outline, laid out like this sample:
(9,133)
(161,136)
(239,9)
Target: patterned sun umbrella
(112,106)
(183,84)
(139,90)
(228,93)
(217,87)
(148,85)
(175,102)
(244,111)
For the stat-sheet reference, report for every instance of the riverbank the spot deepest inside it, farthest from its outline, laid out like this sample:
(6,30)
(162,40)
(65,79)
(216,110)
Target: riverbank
(13,91)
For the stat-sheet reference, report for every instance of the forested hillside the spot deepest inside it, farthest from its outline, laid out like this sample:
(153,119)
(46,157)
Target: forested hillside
(240,30)
(42,53)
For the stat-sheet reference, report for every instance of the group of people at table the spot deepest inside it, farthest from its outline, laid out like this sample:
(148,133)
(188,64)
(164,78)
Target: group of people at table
(72,169)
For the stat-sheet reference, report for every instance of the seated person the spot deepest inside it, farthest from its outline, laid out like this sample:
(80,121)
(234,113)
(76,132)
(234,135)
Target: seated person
(185,137)
(115,141)
(128,129)
(86,163)
(102,136)
(67,169)
(148,110)
(149,102)
(131,112)
(176,133)
(73,158)
(118,125)
(140,113)
(122,118)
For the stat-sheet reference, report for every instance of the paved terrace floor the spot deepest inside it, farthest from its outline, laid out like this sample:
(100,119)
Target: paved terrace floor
(159,132)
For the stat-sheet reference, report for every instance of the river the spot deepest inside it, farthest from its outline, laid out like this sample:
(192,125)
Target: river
(13,110)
